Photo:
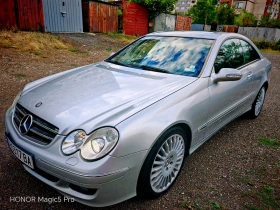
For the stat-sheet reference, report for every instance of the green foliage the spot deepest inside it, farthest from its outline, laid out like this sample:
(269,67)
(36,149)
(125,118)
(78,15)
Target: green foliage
(267,21)
(215,206)
(120,13)
(274,46)
(203,12)
(245,19)
(225,15)
(266,193)
(162,6)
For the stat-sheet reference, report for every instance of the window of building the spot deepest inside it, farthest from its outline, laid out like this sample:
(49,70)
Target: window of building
(239,5)
(182,7)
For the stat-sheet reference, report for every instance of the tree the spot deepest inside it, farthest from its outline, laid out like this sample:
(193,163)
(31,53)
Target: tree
(267,21)
(225,15)
(203,12)
(245,19)
(162,6)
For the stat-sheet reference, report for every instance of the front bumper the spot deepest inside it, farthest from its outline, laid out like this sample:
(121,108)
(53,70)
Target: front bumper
(105,182)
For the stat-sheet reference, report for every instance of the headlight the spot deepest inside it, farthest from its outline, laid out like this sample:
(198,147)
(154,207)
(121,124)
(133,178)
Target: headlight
(99,143)
(94,146)
(16,99)
(73,142)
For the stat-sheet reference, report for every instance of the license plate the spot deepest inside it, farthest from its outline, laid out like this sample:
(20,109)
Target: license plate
(21,155)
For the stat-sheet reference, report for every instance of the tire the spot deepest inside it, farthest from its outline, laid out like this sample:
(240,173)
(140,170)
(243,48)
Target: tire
(163,164)
(258,104)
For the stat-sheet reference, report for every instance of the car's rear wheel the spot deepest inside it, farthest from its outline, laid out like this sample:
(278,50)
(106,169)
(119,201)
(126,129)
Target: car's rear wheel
(163,164)
(258,104)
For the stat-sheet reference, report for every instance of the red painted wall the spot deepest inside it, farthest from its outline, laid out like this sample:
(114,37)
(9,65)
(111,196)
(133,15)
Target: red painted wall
(25,14)
(135,19)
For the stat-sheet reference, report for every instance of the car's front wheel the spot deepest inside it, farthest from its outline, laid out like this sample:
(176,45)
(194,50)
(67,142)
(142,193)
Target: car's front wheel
(258,104)
(163,164)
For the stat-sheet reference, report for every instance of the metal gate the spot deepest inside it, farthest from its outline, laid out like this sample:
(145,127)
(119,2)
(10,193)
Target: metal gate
(63,15)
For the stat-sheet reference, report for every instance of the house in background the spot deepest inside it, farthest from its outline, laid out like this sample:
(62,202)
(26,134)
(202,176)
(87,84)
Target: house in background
(184,5)
(257,7)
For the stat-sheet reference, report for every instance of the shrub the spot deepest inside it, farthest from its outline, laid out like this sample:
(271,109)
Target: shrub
(263,44)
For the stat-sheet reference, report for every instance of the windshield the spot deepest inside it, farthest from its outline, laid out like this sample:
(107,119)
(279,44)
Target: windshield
(172,55)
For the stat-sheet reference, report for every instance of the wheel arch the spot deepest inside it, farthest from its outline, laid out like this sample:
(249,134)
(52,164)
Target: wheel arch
(181,124)
(265,84)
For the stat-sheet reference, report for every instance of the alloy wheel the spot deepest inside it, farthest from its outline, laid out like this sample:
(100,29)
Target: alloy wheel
(167,163)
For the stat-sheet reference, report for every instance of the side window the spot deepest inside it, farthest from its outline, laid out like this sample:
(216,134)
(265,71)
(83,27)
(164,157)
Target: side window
(250,54)
(230,55)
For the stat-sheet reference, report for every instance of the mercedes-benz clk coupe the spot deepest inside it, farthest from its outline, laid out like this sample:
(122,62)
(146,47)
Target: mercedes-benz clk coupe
(108,131)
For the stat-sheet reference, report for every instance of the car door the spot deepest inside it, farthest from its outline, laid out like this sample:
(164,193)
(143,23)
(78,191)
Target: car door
(228,98)
(252,61)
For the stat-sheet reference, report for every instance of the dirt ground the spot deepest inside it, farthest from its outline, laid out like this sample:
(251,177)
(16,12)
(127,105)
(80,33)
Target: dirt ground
(239,168)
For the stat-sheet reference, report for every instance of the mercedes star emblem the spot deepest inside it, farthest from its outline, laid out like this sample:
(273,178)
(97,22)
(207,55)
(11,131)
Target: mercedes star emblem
(25,124)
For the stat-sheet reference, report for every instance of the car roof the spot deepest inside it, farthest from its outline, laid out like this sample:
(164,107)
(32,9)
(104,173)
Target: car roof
(192,34)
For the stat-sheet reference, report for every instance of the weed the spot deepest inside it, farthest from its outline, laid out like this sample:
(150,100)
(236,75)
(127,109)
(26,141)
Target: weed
(36,53)
(20,76)
(108,49)
(252,208)
(183,204)
(73,50)
(266,193)
(215,206)
(268,142)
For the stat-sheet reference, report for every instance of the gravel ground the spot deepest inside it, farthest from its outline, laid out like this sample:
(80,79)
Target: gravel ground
(233,170)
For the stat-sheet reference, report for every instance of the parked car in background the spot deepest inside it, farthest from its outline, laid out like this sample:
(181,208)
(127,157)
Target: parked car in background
(109,131)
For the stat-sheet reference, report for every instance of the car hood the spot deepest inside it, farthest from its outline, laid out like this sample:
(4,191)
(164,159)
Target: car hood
(98,95)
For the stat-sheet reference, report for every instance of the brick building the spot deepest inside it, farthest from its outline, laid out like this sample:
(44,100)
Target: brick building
(258,7)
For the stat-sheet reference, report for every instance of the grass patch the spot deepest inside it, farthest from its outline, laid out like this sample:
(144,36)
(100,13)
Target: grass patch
(73,50)
(268,142)
(189,205)
(31,41)
(215,206)
(20,76)
(252,208)
(108,49)
(266,194)
(121,37)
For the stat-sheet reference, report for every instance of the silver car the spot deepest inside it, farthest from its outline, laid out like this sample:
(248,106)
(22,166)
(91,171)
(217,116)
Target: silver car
(109,131)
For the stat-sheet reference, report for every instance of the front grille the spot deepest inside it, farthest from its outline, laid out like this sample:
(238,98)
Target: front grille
(40,130)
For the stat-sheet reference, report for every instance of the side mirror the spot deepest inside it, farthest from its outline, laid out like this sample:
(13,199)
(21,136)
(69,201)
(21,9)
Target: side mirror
(112,54)
(227,74)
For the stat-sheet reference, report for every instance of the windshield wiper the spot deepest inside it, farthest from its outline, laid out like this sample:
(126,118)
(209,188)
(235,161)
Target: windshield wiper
(150,68)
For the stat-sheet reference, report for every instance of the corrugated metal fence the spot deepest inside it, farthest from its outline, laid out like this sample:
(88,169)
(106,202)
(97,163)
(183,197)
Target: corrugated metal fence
(63,15)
